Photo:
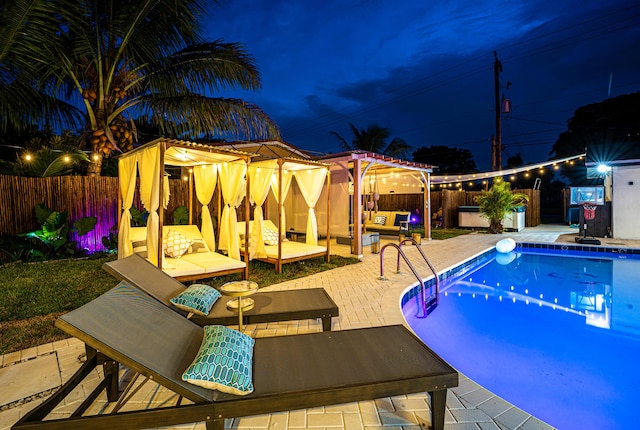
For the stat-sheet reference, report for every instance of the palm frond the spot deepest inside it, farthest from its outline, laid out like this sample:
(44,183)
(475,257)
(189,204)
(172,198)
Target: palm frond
(199,115)
(344,145)
(398,148)
(203,68)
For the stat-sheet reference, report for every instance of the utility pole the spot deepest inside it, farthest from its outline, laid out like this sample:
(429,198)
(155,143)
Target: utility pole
(496,141)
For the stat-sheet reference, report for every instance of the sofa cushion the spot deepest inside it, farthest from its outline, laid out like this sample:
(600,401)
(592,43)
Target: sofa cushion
(269,236)
(380,219)
(197,298)
(224,361)
(175,244)
(400,218)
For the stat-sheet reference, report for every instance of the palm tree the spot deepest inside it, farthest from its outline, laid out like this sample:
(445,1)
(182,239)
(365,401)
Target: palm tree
(116,60)
(374,139)
(496,203)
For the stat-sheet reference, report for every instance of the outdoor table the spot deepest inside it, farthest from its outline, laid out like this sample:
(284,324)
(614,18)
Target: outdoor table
(241,290)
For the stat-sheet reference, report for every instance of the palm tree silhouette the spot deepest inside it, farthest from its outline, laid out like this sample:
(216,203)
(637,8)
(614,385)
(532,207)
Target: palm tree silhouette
(100,64)
(374,139)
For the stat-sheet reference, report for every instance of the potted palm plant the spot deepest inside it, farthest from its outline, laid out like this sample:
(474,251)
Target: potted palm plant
(495,203)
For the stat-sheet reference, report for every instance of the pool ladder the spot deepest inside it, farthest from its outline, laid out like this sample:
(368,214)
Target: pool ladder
(428,303)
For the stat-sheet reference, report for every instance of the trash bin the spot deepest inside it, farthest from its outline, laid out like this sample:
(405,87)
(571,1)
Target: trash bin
(375,243)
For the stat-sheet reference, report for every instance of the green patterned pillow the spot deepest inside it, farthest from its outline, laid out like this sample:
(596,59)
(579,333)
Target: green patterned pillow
(197,298)
(224,361)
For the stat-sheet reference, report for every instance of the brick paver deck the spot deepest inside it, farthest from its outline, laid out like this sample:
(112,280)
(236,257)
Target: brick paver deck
(364,301)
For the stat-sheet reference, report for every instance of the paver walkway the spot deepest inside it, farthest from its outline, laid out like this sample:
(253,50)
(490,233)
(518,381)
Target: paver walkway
(364,301)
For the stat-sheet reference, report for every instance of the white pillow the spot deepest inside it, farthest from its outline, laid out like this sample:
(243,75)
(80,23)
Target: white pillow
(380,219)
(270,236)
(174,244)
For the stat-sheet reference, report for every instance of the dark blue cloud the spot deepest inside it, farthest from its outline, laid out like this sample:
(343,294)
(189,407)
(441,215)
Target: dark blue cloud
(425,69)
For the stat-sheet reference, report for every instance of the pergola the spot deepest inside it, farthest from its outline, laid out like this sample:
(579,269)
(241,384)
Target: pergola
(349,174)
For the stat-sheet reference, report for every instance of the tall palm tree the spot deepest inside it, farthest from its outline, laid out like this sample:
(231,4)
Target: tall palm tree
(374,139)
(116,60)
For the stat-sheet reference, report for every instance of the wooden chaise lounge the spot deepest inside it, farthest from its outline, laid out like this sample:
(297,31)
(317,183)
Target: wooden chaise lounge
(288,305)
(127,326)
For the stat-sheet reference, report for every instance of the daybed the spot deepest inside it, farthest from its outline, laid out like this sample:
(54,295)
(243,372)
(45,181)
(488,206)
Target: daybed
(270,306)
(291,250)
(288,372)
(386,222)
(197,262)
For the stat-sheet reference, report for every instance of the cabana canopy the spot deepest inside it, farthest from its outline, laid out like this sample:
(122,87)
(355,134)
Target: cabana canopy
(211,166)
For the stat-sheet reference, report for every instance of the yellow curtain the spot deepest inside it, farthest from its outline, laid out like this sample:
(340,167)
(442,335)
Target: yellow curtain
(167,191)
(149,163)
(260,175)
(287,176)
(206,178)
(231,183)
(311,182)
(127,178)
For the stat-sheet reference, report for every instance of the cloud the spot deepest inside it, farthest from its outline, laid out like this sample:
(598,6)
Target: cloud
(425,69)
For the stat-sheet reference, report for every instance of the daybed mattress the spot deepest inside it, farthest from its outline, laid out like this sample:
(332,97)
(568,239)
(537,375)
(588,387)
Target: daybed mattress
(294,250)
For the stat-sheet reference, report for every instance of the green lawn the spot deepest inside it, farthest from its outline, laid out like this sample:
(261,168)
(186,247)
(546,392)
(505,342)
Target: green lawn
(445,233)
(33,295)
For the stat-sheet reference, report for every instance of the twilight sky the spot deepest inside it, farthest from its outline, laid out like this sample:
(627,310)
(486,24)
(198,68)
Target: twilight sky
(424,68)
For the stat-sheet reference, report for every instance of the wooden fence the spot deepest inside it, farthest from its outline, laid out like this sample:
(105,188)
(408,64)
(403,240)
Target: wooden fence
(80,196)
(449,200)
(83,196)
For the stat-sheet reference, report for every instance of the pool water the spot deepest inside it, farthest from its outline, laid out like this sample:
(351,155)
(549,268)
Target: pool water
(557,334)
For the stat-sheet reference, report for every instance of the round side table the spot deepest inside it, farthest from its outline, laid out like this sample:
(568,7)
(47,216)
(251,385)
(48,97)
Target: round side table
(241,290)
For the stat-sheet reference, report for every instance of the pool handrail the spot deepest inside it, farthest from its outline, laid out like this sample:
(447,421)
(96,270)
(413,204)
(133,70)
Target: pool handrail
(411,267)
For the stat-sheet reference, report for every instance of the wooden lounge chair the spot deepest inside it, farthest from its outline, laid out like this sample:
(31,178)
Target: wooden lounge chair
(292,372)
(270,306)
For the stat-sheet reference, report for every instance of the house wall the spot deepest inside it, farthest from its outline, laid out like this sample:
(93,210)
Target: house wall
(625,204)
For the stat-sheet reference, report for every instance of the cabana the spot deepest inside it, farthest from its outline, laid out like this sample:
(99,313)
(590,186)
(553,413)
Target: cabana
(355,175)
(268,238)
(210,167)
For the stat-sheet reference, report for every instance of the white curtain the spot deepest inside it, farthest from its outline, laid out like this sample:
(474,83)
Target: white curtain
(287,176)
(231,184)
(149,163)
(310,183)
(206,178)
(127,178)
(260,175)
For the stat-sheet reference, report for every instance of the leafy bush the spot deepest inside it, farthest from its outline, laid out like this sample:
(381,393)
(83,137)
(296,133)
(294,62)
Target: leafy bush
(53,236)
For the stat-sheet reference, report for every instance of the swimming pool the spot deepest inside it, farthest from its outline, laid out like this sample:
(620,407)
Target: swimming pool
(556,333)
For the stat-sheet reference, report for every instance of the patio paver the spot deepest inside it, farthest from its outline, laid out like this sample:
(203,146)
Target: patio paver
(364,300)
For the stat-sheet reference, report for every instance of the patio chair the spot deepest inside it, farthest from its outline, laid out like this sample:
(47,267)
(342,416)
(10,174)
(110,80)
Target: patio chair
(269,306)
(127,326)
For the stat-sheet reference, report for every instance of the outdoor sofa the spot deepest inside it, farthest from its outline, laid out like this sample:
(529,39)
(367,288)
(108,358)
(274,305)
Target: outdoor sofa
(127,327)
(387,222)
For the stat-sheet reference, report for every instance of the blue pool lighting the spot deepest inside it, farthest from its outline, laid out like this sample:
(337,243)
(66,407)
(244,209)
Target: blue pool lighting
(556,333)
